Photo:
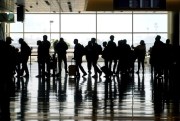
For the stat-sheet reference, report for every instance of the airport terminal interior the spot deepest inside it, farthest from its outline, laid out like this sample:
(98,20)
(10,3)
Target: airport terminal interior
(124,96)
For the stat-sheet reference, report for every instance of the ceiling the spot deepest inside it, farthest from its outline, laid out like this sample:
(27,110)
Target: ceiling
(55,5)
(67,5)
(78,5)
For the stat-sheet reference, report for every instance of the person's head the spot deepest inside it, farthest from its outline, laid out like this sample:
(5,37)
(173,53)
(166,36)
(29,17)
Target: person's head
(89,43)
(168,41)
(39,42)
(44,37)
(158,38)
(75,41)
(112,37)
(21,40)
(120,42)
(93,40)
(104,44)
(61,39)
(142,42)
(9,40)
(124,41)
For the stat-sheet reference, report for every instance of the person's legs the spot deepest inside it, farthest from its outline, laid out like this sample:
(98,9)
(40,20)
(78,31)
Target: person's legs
(48,67)
(77,67)
(142,65)
(26,67)
(138,66)
(65,63)
(110,64)
(59,63)
(89,65)
(115,66)
(96,69)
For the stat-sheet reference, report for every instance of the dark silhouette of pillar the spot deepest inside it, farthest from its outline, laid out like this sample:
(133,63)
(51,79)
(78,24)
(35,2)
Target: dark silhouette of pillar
(175,17)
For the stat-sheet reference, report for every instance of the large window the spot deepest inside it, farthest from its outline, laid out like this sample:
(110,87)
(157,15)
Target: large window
(114,22)
(132,26)
(78,22)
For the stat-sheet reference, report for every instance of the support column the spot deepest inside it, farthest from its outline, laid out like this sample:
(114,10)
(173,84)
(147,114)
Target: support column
(2,31)
(174,27)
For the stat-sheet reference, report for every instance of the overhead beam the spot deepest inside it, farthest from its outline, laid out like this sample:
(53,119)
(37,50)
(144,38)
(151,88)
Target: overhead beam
(173,5)
(99,5)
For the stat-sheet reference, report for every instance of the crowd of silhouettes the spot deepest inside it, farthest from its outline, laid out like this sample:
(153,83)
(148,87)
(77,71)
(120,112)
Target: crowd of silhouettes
(118,58)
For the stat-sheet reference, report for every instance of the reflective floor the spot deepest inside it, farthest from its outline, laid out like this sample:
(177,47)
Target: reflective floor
(123,97)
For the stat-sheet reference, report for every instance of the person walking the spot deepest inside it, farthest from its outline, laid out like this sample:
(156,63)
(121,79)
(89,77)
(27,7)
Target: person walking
(25,52)
(78,54)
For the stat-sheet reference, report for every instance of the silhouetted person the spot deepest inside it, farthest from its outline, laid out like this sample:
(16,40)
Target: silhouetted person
(124,51)
(39,57)
(7,67)
(46,56)
(140,52)
(112,50)
(78,54)
(54,46)
(157,56)
(18,63)
(169,59)
(61,48)
(150,59)
(24,53)
(89,54)
(105,54)
(11,54)
(96,50)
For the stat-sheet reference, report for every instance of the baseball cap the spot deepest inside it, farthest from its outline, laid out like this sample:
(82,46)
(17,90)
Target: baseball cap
(9,38)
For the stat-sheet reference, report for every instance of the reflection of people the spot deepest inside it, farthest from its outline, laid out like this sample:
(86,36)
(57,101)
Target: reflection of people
(25,53)
(61,48)
(78,57)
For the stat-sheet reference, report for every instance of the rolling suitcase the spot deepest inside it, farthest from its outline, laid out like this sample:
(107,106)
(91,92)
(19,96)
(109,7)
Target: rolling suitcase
(72,69)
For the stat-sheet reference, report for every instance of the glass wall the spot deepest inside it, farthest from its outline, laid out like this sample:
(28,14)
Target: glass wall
(133,26)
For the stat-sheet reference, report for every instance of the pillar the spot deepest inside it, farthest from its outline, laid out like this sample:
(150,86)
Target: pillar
(174,27)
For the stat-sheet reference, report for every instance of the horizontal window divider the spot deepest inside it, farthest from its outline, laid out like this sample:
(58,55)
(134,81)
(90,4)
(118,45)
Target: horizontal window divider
(87,32)
(113,12)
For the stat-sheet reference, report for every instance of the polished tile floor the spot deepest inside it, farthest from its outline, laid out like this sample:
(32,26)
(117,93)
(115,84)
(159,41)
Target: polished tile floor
(124,97)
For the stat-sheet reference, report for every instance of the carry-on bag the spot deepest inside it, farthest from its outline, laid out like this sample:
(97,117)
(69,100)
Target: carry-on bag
(72,68)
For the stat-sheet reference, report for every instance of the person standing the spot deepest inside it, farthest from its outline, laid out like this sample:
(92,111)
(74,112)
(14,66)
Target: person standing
(24,55)
(7,67)
(61,48)
(78,54)
(105,54)
(112,53)
(46,56)
(89,53)
(39,57)
(140,52)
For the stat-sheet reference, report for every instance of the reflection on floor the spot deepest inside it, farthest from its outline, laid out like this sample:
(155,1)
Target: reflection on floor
(123,97)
